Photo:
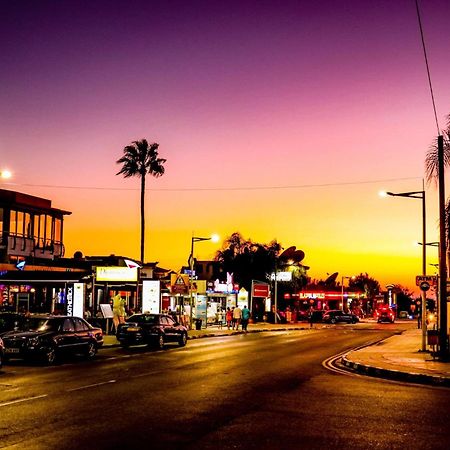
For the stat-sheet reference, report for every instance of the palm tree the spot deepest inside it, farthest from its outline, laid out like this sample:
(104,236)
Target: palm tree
(432,170)
(140,159)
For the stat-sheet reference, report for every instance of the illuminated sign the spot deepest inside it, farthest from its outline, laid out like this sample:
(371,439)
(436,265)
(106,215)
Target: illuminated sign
(312,295)
(116,273)
(282,276)
(151,296)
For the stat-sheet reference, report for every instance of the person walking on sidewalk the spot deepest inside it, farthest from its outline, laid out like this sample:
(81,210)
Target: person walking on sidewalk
(229,317)
(245,318)
(237,316)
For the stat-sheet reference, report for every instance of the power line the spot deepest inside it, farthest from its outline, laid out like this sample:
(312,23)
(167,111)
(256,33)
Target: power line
(428,67)
(217,189)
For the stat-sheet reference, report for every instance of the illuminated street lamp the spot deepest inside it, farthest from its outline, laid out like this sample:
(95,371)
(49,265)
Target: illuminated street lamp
(213,238)
(420,195)
(5,174)
(342,288)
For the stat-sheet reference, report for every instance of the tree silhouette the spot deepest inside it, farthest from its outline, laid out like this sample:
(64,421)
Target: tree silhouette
(140,159)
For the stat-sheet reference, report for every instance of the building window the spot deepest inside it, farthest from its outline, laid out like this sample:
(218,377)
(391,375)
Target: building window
(13,222)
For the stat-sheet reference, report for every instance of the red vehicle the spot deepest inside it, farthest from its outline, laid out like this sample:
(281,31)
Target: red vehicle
(385,314)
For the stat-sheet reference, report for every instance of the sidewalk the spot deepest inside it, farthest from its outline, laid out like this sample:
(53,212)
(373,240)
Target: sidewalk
(397,357)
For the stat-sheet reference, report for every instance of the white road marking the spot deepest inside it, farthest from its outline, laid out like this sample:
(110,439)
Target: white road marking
(21,400)
(91,386)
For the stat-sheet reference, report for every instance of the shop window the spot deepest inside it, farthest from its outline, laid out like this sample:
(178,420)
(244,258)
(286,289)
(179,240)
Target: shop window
(20,223)
(13,222)
(28,230)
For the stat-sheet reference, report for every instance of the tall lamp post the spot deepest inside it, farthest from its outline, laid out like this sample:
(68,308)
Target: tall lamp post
(213,238)
(342,288)
(420,195)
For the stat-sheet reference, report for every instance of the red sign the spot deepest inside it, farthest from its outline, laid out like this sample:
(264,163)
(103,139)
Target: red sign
(260,290)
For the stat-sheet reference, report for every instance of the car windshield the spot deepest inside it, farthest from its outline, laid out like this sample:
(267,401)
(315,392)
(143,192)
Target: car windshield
(141,318)
(40,324)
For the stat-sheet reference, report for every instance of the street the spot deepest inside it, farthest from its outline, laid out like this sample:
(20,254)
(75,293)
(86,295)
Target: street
(254,391)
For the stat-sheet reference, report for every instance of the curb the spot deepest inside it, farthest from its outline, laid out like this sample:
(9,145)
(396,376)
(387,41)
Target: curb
(223,334)
(396,375)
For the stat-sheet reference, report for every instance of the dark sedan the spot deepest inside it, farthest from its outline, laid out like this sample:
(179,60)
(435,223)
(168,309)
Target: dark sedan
(338,316)
(151,329)
(48,337)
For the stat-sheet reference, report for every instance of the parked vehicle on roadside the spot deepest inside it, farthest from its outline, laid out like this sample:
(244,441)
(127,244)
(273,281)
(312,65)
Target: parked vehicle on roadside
(338,316)
(151,329)
(49,337)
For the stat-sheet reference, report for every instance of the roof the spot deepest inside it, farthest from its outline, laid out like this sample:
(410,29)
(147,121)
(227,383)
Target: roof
(28,202)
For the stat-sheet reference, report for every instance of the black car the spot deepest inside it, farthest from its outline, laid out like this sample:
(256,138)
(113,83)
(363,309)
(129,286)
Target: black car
(336,316)
(48,337)
(11,321)
(151,329)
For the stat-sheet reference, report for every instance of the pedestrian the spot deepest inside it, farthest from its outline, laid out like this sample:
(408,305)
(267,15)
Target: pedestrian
(237,316)
(118,311)
(245,318)
(229,317)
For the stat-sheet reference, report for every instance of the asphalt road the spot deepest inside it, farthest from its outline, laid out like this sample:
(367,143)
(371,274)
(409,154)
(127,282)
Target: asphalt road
(254,391)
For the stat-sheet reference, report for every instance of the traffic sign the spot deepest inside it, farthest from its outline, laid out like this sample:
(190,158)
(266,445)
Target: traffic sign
(424,286)
(430,279)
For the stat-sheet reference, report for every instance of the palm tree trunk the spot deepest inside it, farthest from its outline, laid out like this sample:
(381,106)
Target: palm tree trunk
(142,217)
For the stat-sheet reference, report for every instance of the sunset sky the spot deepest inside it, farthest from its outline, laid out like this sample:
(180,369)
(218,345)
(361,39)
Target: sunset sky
(281,120)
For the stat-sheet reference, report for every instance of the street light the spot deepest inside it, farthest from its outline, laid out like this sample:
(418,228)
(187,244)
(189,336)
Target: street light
(342,287)
(213,238)
(420,195)
(5,174)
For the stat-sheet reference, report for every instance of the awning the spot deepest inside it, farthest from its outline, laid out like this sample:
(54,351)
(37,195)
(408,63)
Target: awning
(32,277)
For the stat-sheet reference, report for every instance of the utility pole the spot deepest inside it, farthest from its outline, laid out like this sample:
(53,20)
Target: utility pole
(443,338)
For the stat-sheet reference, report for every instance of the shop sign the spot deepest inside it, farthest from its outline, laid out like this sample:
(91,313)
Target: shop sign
(242,299)
(307,295)
(151,294)
(116,273)
(78,299)
(69,298)
(282,276)
(261,290)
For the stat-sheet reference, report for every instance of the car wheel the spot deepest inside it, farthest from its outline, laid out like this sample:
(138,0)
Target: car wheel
(333,320)
(50,355)
(183,340)
(160,342)
(353,320)
(91,350)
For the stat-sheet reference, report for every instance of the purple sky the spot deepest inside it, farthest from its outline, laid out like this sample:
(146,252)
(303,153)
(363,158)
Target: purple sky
(238,94)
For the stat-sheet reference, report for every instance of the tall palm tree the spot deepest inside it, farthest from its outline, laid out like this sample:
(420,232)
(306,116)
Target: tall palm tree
(140,159)
(432,170)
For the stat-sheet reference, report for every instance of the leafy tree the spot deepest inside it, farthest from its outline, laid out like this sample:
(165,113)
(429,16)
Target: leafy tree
(139,160)
(405,297)
(363,282)
(247,260)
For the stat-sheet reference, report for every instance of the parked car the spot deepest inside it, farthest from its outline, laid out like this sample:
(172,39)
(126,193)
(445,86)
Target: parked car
(2,352)
(385,314)
(49,337)
(151,329)
(11,321)
(337,316)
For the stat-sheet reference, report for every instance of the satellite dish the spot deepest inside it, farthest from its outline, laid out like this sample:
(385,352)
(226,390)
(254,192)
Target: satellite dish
(332,278)
(288,253)
(298,255)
